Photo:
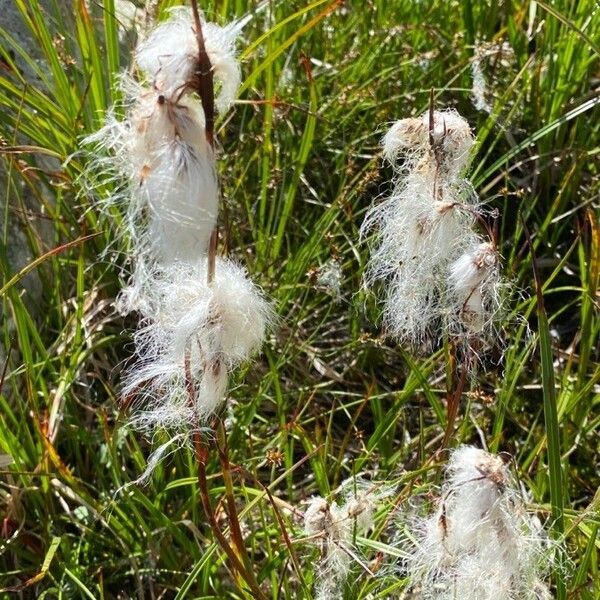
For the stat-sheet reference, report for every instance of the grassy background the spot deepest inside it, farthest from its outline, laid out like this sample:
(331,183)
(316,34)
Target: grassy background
(300,164)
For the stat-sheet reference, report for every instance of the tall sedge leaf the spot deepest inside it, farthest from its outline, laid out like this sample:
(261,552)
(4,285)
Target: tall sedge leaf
(301,159)
(551,422)
(111,41)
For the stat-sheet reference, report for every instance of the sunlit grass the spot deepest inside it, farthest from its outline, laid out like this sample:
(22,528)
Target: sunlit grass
(300,164)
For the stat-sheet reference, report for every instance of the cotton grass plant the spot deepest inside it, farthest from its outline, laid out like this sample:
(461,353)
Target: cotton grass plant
(333,526)
(480,543)
(440,277)
(328,399)
(434,254)
(200,316)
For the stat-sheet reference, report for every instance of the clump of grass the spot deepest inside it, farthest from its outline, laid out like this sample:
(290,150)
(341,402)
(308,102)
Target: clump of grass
(330,397)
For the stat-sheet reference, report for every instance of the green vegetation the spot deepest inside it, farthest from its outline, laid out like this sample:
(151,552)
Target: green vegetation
(330,397)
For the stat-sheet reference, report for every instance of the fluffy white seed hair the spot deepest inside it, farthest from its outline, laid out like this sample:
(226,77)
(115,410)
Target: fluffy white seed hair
(170,189)
(360,498)
(480,544)
(332,527)
(329,528)
(437,274)
(169,55)
(195,335)
(443,143)
(193,331)
(416,237)
(426,223)
(475,286)
(482,90)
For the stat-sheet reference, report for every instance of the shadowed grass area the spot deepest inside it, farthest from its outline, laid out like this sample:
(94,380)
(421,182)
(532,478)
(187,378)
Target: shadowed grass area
(330,397)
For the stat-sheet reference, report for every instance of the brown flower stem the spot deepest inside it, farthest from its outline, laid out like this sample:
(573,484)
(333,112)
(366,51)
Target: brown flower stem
(212,256)
(234,523)
(288,542)
(455,393)
(204,82)
(201,452)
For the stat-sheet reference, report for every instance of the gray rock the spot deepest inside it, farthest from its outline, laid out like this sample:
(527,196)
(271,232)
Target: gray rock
(18,205)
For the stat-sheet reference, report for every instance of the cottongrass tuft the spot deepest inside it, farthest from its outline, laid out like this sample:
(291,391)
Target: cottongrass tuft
(480,543)
(425,238)
(197,322)
(169,190)
(195,335)
(440,141)
(500,55)
(169,56)
(475,287)
(333,526)
(158,155)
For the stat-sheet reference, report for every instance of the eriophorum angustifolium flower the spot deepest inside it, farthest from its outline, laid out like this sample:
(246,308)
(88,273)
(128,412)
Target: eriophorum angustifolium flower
(192,336)
(159,150)
(199,318)
(438,273)
(333,527)
(480,543)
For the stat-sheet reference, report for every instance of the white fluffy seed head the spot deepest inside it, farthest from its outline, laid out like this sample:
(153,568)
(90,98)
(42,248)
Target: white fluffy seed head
(417,235)
(439,277)
(195,335)
(470,269)
(169,188)
(452,140)
(169,56)
(332,527)
(193,332)
(329,529)
(502,56)
(480,543)
(475,284)
(180,302)
(470,465)
(160,148)
(316,516)
(442,144)
(360,498)
(476,481)
(177,179)
(405,139)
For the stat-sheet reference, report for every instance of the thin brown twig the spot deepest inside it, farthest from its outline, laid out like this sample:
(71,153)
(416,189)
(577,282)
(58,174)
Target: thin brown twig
(454,396)
(212,256)
(288,542)
(204,82)
(201,454)
(234,523)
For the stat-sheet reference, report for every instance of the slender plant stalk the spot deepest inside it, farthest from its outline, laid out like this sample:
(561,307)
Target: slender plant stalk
(454,396)
(236,531)
(288,542)
(201,452)
(204,85)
